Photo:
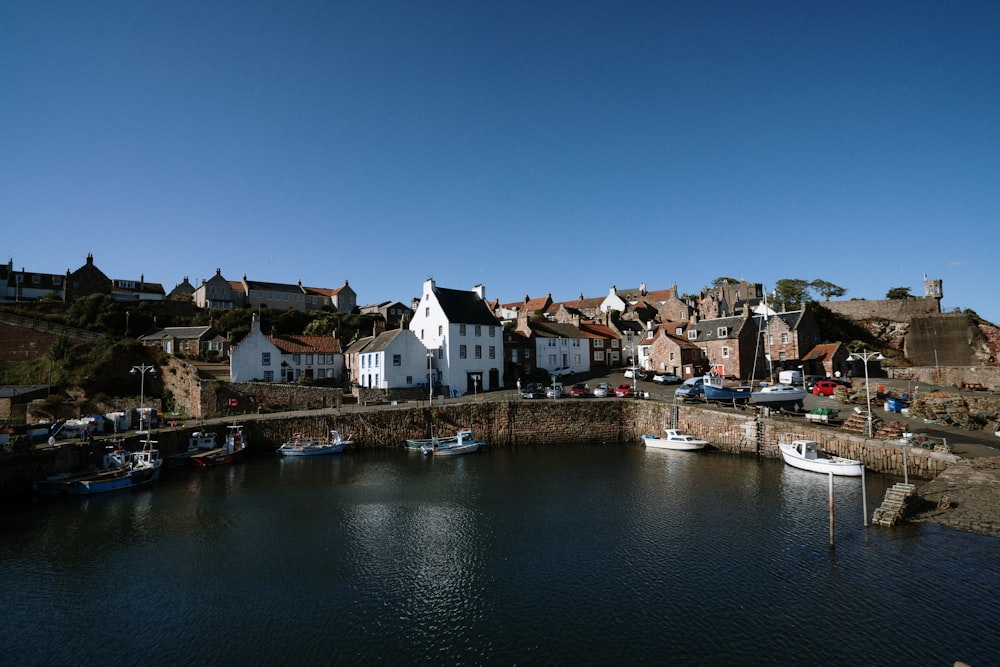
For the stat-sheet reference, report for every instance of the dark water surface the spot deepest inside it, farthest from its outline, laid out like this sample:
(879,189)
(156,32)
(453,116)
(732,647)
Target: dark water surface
(555,555)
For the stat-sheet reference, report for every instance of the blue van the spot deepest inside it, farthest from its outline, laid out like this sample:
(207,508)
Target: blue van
(691,389)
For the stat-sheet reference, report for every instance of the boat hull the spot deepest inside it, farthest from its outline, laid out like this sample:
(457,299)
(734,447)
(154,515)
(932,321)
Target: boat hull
(779,399)
(310,450)
(727,394)
(656,442)
(452,450)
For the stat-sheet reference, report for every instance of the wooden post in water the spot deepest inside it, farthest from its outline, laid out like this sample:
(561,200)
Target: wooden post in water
(831,508)
(864,497)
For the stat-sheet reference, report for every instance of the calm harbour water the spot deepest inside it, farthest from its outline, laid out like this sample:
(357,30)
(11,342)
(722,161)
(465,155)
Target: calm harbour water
(555,555)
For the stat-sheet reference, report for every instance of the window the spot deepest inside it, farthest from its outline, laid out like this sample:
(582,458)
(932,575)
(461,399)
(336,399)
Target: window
(57,280)
(265,358)
(461,329)
(615,343)
(409,379)
(321,374)
(598,342)
(576,359)
(397,360)
(725,353)
(781,356)
(268,376)
(479,330)
(462,352)
(493,332)
(784,339)
(493,352)
(479,352)
(598,356)
(649,335)
(36,279)
(722,332)
(309,360)
(427,311)
(527,354)
(671,356)
(296,359)
(440,330)
(552,360)
(513,355)
(692,334)
(376,358)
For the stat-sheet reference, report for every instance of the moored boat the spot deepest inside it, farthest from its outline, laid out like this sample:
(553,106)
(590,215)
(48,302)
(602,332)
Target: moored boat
(673,438)
(233,448)
(463,442)
(807,455)
(121,469)
(302,445)
(199,442)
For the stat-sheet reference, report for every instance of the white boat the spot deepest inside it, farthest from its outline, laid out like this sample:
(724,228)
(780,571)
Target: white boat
(779,396)
(673,439)
(301,445)
(462,443)
(806,455)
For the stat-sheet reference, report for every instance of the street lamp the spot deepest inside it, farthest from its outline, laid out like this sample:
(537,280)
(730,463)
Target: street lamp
(142,369)
(430,379)
(865,357)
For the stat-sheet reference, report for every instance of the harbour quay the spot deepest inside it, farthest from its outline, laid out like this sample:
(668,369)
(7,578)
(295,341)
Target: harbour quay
(964,493)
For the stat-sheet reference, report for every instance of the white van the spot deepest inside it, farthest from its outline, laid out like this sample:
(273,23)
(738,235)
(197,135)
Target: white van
(790,377)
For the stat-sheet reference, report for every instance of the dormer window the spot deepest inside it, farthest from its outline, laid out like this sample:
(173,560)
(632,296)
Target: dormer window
(692,334)
(723,332)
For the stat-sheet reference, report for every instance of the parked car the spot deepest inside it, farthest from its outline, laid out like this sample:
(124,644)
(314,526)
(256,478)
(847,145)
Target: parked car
(579,390)
(554,390)
(532,390)
(602,389)
(624,390)
(825,388)
(562,371)
(691,389)
(666,378)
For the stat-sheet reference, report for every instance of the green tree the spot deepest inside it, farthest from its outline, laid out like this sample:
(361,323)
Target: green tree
(827,289)
(723,279)
(97,312)
(898,293)
(791,290)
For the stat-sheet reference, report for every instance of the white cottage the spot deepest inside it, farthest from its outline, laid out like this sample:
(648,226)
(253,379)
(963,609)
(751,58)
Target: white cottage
(464,335)
(285,358)
(393,360)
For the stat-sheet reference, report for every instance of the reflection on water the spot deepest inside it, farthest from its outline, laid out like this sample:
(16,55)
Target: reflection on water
(554,555)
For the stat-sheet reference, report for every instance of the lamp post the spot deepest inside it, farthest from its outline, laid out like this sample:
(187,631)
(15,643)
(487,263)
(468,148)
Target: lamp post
(142,369)
(866,356)
(430,379)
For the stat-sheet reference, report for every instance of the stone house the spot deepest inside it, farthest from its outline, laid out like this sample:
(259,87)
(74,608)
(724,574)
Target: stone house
(87,280)
(219,293)
(190,341)
(560,346)
(671,352)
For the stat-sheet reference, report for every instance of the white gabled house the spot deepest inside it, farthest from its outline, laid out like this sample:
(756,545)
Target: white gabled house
(561,346)
(392,360)
(465,336)
(285,358)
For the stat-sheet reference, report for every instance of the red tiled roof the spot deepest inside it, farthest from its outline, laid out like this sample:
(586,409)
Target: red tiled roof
(305,344)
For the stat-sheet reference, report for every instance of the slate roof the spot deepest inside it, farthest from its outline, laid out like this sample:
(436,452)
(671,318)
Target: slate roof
(556,330)
(383,340)
(463,307)
(708,329)
(176,332)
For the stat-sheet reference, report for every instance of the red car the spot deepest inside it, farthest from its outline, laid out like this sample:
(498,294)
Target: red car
(579,390)
(825,388)
(624,390)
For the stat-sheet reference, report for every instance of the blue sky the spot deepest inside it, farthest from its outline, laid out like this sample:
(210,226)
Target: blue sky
(533,147)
